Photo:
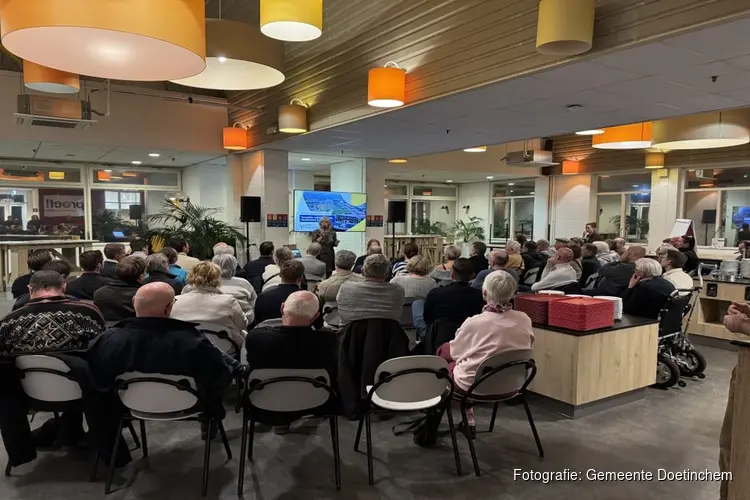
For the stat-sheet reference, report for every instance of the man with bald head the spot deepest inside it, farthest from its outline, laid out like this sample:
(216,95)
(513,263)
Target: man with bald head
(498,261)
(558,271)
(614,278)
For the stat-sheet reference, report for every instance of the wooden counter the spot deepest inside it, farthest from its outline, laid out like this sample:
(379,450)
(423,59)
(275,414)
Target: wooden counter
(14,254)
(579,373)
(715,298)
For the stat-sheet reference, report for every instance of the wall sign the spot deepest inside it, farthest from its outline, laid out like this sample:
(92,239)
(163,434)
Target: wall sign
(58,205)
(277,220)
(374,221)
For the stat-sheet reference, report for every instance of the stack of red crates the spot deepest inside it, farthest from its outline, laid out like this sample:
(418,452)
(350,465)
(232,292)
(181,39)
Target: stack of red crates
(536,306)
(581,314)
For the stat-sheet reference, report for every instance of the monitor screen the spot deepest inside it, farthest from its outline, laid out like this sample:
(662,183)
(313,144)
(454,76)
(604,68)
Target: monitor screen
(740,215)
(296,253)
(118,234)
(347,211)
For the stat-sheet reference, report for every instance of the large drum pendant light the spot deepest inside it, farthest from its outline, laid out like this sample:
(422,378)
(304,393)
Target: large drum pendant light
(293,117)
(238,57)
(654,160)
(236,138)
(44,79)
(386,87)
(720,129)
(633,136)
(140,40)
(565,27)
(291,20)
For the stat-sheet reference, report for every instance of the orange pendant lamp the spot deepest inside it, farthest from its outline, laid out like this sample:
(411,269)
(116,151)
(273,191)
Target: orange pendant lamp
(139,40)
(386,87)
(632,136)
(236,138)
(44,79)
(571,167)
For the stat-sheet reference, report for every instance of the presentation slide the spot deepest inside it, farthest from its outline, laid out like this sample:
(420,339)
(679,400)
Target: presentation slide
(740,215)
(347,211)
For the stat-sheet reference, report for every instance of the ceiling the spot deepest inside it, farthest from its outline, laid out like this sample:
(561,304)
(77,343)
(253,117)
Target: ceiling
(648,81)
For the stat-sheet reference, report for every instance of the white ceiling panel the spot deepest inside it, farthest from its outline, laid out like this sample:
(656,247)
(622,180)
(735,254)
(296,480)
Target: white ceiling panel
(718,42)
(70,152)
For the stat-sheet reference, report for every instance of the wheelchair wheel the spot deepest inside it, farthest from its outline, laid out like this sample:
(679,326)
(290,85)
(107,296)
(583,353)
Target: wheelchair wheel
(667,372)
(696,361)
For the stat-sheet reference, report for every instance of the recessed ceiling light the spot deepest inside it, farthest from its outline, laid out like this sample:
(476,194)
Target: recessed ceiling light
(476,149)
(635,185)
(385,185)
(532,192)
(305,159)
(511,183)
(108,170)
(397,160)
(221,59)
(593,131)
(136,162)
(511,190)
(154,155)
(489,177)
(451,180)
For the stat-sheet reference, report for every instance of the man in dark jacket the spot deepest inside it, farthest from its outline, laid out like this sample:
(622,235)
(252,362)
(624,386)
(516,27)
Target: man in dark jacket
(647,291)
(36,261)
(255,268)
(457,300)
(84,286)
(268,305)
(614,278)
(589,263)
(157,267)
(531,257)
(477,258)
(590,234)
(59,266)
(115,300)
(113,253)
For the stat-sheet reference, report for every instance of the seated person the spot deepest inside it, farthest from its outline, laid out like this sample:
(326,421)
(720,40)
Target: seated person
(604,252)
(59,266)
(589,263)
(272,274)
(576,262)
(157,267)
(222,248)
(619,245)
(532,259)
(443,272)
(49,321)
(375,249)
(477,257)
(399,267)
(614,278)
(315,270)
(542,246)
(85,285)
(672,261)
(686,244)
(113,253)
(175,270)
(515,261)
(372,298)
(268,305)
(416,283)
(204,303)
(496,330)
(115,299)
(153,342)
(182,247)
(361,259)
(294,344)
(558,271)
(138,245)
(328,289)
(499,262)
(236,287)
(255,268)
(647,291)
(36,260)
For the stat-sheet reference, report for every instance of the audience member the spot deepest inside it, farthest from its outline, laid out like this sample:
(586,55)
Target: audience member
(268,305)
(744,233)
(604,252)
(49,321)
(686,245)
(328,289)
(558,271)
(183,249)
(542,246)
(498,262)
(416,284)
(85,285)
(521,239)
(373,297)
(157,267)
(515,261)
(174,269)
(672,260)
(138,245)
(478,258)
(204,303)
(315,269)
(236,287)
(272,274)
(36,260)
(59,266)
(443,272)
(614,278)
(619,245)
(532,259)
(647,291)
(590,233)
(113,254)
(115,299)
(361,259)
(576,262)
(561,242)
(255,268)
(589,263)
(399,267)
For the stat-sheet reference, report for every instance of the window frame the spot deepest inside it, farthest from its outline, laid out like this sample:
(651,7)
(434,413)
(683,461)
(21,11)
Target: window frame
(624,200)
(409,198)
(511,211)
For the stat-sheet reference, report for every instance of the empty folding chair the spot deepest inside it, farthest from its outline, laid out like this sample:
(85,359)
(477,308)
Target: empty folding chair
(407,319)
(284,391)
(408,384)
(163,398)
(499,378)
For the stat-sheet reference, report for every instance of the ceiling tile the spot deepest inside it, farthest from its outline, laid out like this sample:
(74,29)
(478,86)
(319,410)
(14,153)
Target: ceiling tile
(722,41)
(651,59)
(585,75)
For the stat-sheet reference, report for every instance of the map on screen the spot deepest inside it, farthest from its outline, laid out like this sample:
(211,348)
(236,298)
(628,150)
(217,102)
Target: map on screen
(347,211)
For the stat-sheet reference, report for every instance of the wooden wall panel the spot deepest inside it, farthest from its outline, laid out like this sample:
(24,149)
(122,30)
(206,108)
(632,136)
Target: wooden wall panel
(445,45)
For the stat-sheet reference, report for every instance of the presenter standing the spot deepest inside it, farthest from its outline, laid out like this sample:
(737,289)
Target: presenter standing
(326,236)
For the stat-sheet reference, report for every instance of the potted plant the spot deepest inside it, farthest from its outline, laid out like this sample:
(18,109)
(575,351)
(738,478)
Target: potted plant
(468,231)
(425,226)
(104,223)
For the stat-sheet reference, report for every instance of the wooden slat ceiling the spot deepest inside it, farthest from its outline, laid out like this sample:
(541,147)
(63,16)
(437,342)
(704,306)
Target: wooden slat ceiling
(445,45)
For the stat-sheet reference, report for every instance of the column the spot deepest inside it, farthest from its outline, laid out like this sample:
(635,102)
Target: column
(665,184)
(304,180)
(376,170)
(541,208)
(571,205)
(349,177)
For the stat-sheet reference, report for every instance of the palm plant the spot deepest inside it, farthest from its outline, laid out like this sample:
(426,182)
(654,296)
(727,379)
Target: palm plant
(470,230)
(425,226)
(104,223)
(195,224)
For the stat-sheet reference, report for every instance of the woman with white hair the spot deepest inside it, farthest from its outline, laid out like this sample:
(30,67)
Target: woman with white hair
(444,272)
(496,330)
(415,282)
(236,287)
(647,291)
(604,255)
(515,261)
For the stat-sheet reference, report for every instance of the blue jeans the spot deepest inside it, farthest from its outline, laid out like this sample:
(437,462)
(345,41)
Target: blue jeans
(417,313)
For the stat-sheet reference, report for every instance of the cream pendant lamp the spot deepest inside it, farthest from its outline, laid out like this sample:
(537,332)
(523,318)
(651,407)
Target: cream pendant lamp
(139,40)
(565,27)
(291,20)
(44,79)
(654,160)
(293,117)
(238,57)
(719,129)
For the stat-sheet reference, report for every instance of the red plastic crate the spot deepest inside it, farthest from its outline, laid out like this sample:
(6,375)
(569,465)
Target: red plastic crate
(535,306)
(581,314)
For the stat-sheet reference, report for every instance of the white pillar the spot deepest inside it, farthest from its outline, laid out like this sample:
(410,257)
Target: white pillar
(304,180)
(570,205)
(349,177)
(665,186)
(376,170)
(541,208)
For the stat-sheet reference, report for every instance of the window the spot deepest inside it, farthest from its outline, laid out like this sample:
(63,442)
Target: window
(430,209)
(512,210)
(622,206)
(121,200)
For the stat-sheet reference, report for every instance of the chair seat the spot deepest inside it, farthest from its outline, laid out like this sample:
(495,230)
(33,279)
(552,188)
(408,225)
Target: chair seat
(399,406)
(484,398)
(166,417)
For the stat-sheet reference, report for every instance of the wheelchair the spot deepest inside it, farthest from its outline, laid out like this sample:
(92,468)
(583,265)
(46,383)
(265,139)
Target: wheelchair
(677,357)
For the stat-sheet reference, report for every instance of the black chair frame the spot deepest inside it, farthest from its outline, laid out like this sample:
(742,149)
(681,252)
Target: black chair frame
(467,397)
(224,335)
(248,424)
(128,417)
(444,403)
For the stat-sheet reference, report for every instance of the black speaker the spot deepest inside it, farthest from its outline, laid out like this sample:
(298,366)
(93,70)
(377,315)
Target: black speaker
(136,212)
(250,209)
(396,211)
(708,217)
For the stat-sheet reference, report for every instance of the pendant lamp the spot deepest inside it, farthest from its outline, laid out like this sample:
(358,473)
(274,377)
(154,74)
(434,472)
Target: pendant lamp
(291,20)
(570,167)
(235,138)
(139,40)
(293,118)
(633,136)
(238,57)
(719,129)
(565,27)
(44,79)
(386,87)
(654,160)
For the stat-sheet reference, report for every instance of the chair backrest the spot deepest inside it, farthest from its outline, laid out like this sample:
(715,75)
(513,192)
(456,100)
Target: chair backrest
(288,390)
(529,277)
(48,379)
(504,373)
(407,320)
(331,315)
(674,310)
(269,323)
(568,288)
(412,379)
(218,336)
(157,392)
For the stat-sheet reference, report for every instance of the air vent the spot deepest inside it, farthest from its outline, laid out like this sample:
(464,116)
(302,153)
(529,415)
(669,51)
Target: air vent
(53,112)
(37,122)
